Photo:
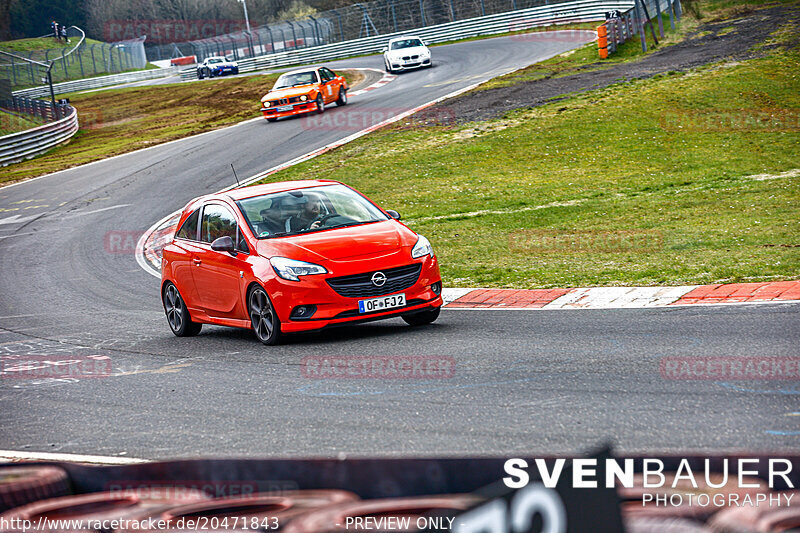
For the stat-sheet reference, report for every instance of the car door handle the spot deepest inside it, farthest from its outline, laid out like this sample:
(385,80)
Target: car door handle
(197,262)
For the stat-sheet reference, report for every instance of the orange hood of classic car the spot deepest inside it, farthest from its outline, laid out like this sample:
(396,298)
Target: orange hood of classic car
(290,91)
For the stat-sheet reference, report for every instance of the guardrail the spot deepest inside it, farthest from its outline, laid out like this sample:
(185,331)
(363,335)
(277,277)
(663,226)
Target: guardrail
(555,14)
(63,124)
(98,82)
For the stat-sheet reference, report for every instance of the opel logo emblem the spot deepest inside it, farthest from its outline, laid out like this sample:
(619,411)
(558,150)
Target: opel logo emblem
(378,279)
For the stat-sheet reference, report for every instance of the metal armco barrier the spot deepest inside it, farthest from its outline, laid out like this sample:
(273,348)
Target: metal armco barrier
(99,82)
(63,124)
(562,13)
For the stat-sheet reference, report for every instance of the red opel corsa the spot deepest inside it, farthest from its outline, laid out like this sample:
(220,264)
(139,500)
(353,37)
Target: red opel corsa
(295,256)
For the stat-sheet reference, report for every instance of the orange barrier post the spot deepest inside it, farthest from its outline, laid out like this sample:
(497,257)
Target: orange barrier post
(602,41)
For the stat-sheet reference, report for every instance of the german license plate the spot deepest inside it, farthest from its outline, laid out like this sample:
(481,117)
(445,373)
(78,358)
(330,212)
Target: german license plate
(382,303)
(284,108)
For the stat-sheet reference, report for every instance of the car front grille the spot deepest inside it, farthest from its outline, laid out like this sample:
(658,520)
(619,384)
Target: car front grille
(285,101)
(361,286)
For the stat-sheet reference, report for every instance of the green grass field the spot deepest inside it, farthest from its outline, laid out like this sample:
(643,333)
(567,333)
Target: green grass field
(16,122)
(679,179)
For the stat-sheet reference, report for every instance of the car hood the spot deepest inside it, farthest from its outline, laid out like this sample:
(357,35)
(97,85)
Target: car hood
(366,241)
(289,92)
(408,51)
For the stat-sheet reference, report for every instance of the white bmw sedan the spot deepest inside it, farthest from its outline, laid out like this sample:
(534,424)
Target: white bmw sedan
(405,53)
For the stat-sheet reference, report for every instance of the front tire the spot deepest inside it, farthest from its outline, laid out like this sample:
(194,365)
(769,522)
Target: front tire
(178,318)
(320,105)
(200,75)
(422,318)
(263,318)
(387,66)
(342,99)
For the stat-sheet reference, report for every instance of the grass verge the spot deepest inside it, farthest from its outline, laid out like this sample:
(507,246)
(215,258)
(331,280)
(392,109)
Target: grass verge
(117,121)
(678,179)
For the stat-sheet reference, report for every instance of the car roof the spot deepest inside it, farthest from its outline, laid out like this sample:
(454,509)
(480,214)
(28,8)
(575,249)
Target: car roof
(280,186)
(403,38)
(298,71)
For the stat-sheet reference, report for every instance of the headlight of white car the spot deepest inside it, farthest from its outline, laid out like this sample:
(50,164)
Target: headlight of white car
(303,98)
(422,248)
(292,270)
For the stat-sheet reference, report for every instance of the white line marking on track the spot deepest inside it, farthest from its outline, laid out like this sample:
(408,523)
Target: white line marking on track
(82,213)
(14,455)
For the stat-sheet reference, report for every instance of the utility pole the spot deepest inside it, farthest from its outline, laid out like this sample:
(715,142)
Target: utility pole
(246,19)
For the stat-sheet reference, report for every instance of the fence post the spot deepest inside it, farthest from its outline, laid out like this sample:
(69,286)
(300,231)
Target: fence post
(452,12)
(660,22)
(670,6)
(483,9)
(294,33)
(64,63)
(32,71)
(80,62)
(13,70)
(678,9)
(271,40)
(394,16)
(640,25)
(422,13)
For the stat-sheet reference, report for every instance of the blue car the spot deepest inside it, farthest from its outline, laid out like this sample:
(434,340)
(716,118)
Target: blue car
(216,66)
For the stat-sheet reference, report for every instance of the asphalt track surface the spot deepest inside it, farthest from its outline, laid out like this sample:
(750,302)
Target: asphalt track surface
(524,381)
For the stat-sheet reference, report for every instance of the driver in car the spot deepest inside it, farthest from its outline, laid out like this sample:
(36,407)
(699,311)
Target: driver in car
(309,215)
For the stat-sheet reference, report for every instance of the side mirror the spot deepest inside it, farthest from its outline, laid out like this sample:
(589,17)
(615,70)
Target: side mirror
(384,50)
(223,244)
(394,214)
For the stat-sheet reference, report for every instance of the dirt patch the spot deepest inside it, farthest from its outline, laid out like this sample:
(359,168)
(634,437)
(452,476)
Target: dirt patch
(732,39)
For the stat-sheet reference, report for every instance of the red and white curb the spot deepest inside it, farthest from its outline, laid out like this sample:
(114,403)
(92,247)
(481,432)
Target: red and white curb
(387,78)
(622,297)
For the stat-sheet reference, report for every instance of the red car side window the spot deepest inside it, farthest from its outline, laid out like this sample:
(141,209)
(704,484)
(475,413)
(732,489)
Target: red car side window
(189,228)
(217,222)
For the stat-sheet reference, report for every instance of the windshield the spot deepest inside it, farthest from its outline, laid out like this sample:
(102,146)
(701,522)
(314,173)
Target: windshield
(298,78)
(406,43)
(215,60)
(307,210)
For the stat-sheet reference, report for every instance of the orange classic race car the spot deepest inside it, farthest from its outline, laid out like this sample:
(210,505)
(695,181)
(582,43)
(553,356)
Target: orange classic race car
(303,91)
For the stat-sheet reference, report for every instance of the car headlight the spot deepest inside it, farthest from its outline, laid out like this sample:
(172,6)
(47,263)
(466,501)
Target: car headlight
(265,104)
(292,270)
(422,248)
(303,98)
